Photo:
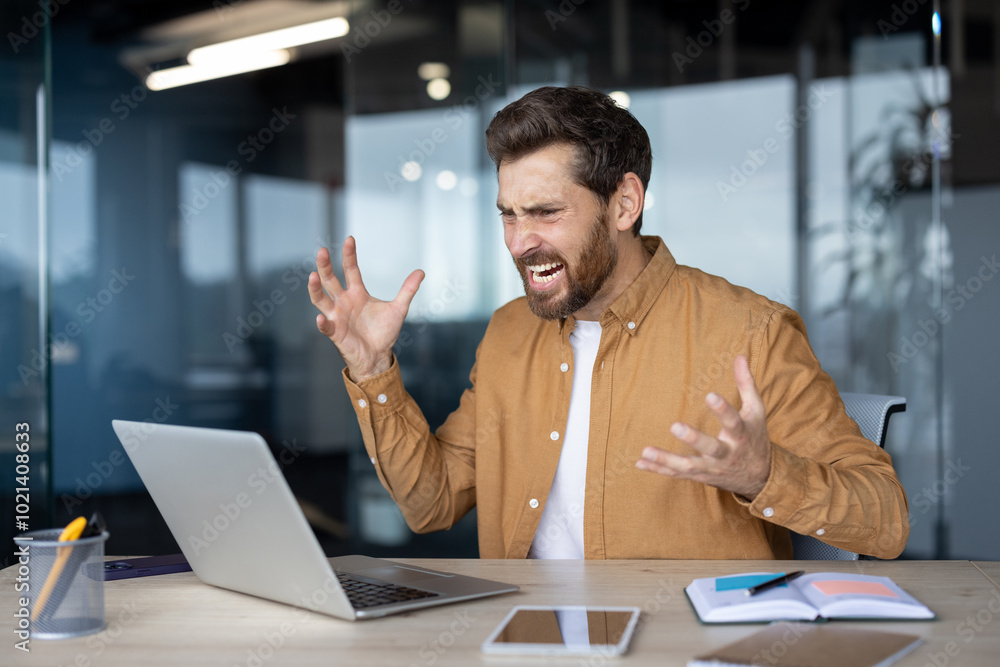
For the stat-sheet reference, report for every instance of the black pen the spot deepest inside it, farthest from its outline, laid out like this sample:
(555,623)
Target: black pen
(767,585)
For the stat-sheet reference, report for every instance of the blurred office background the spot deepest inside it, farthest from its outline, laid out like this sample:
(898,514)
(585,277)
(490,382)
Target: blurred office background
(840,156)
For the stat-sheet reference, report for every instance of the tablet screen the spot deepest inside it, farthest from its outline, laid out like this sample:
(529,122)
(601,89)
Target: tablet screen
(568,630)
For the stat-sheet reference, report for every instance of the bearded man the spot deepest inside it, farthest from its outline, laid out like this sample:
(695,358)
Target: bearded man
(586,432)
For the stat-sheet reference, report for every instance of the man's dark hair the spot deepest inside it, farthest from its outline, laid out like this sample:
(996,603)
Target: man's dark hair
(608,140)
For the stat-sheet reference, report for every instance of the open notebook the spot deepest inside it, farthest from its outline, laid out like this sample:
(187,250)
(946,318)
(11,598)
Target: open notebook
(820,596)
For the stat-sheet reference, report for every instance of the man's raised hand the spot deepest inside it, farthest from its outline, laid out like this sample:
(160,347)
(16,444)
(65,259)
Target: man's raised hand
(362,327)
(738,459)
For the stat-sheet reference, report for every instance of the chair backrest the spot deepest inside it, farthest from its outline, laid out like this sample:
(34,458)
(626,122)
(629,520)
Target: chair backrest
(871,412)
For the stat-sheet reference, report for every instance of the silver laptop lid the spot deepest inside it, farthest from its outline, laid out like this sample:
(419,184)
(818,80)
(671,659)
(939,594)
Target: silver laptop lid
(228,506)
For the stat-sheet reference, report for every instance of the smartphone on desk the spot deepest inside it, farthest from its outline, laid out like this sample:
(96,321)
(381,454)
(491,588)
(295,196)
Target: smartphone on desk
(563,630)
(128,568)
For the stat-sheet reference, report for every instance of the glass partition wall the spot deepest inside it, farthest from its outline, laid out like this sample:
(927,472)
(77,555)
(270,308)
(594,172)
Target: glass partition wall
(831,156)
(879,257)
(28,344)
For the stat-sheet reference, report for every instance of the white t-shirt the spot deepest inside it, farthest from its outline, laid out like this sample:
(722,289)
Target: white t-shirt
(560,530)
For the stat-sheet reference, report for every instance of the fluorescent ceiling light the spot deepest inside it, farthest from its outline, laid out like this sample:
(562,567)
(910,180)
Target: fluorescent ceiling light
(428,71)
(187,74)
(438,89)
(285,38)
(621,98)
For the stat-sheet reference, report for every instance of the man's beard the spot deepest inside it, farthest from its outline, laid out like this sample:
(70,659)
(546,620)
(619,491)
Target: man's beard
(583,281)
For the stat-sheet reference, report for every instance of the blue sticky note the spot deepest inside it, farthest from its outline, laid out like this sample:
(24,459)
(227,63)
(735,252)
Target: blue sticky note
(745,581)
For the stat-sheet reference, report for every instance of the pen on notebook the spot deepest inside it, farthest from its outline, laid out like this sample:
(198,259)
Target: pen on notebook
(785,578)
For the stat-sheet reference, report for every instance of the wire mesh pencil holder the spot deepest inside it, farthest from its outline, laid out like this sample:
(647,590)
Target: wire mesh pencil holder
(65,584)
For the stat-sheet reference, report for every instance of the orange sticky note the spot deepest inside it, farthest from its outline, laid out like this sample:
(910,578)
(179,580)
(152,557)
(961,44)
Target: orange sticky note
(841,587)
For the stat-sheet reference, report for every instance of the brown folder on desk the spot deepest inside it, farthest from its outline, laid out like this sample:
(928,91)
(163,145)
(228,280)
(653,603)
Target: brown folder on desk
(810,645)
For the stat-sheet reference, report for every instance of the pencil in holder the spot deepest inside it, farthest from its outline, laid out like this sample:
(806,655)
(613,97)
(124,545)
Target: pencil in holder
(65,584)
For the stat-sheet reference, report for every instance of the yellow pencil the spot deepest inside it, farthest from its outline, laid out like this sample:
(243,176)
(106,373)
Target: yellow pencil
(69,533)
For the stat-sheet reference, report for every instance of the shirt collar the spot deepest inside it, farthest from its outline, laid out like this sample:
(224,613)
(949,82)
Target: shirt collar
(631,307)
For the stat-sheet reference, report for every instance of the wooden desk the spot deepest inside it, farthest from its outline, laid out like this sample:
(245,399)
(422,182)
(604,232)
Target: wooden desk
(990,569)
(175,619)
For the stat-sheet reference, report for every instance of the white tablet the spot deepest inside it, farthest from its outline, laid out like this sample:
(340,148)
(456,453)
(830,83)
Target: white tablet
(563,630)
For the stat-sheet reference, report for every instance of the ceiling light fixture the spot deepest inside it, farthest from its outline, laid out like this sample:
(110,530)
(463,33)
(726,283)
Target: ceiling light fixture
(429,70)
(285,38)
(438,89)
(188,74)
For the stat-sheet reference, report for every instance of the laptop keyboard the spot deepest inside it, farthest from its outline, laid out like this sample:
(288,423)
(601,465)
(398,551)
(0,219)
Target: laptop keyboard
(364,593)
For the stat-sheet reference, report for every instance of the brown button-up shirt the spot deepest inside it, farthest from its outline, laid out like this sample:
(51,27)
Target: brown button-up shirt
(666,342)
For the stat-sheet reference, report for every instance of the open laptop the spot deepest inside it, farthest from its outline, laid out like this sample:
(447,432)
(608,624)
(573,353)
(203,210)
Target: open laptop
(231,511)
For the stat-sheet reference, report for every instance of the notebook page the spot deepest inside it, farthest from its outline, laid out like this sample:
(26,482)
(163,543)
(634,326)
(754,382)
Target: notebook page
(724,599)
(839,595)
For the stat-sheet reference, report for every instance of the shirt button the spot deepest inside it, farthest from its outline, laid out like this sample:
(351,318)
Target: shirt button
(363,403)
(564,367)
(631,325)
(373,460)
(820,532)
(554,435)
(533,503)
(382,398)
(768,512)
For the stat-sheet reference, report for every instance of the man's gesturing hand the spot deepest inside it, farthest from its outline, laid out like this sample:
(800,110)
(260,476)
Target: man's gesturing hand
(738,459)
(362,327)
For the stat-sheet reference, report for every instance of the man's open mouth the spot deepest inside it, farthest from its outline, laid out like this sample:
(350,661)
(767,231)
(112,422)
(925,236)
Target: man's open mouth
(545,273)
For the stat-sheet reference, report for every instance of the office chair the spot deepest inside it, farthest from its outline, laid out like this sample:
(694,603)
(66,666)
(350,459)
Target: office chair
(871,412)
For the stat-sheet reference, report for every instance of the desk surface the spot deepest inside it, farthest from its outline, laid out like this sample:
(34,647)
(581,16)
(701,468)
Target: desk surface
(175,619)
